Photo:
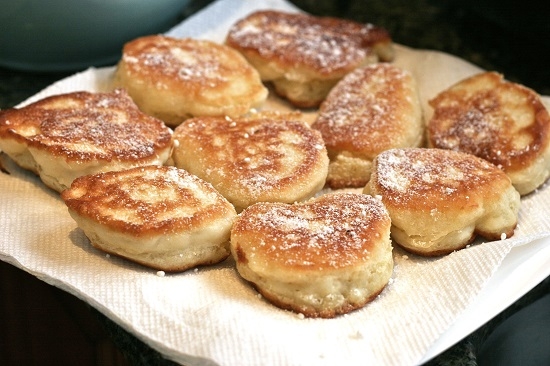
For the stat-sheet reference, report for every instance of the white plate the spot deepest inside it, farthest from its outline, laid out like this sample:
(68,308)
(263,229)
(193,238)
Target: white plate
(522,269)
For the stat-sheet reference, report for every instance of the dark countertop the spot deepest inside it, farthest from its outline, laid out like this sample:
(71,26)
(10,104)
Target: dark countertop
(496,35)
(492,34)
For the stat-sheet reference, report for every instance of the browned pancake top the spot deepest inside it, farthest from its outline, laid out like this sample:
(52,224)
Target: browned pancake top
(364,112)
(190,65)
(502,122)
(334,231)
(83,126)
(421,178)
(144,201)
(255,155)
(324,44)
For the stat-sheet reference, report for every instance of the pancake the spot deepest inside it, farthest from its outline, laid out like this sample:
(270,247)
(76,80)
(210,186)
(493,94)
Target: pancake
(302,55)
(65,136)
(321,258)
(266,156)
(440,200)
(372,109)
(175,79)
(158,216)
(497,120)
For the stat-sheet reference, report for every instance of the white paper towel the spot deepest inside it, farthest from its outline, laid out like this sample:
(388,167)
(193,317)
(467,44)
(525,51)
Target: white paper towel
(210,316)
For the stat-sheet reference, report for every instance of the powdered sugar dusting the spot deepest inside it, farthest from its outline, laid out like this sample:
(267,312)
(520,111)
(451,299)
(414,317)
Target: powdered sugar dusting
(324,44)
(187,60)
(364,111)
(87,126)
(485,115)
(335,230)
(417,171)
(252,159)
(160,199)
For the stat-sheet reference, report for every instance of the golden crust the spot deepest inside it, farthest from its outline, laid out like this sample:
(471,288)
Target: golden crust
(440,199)
(327,47)
(372,109)
(314,257)
(500,121)
(175,79)
(262,157)
(304,55)
(158,216)
(332,231)
(64,136)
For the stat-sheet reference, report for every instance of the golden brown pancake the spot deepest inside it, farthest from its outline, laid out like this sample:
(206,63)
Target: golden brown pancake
(497,120)
(372,109)
(263,157)
(321,258)
(65,136)
(305,55)
(159,216)
(439,200)
(174,79)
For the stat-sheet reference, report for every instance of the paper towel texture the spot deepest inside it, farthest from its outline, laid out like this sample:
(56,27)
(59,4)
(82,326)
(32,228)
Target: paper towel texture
(210,316)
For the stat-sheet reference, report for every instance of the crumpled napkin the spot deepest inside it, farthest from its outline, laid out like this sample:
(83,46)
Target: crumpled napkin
(210,316)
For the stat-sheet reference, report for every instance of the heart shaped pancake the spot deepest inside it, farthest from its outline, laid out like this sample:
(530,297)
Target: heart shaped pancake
(439,200)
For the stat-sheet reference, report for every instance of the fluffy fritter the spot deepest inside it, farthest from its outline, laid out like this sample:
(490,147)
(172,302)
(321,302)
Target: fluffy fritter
(500,121)
(305,55)
(372,109)
(263,157)
(159,216)
(321,258)
(439,200)
(64,136)
(174,79)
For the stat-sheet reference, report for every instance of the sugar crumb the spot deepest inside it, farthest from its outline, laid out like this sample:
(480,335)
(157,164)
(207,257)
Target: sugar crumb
(356,335)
